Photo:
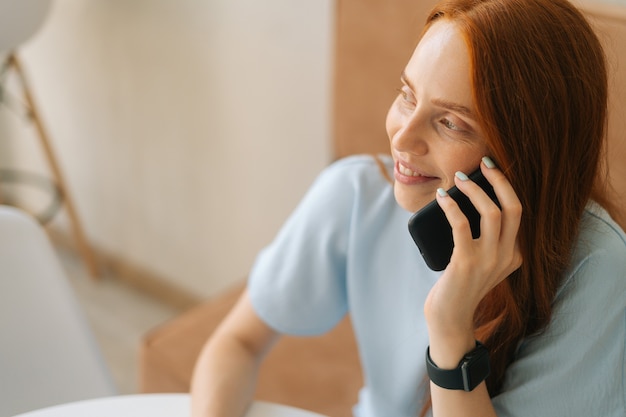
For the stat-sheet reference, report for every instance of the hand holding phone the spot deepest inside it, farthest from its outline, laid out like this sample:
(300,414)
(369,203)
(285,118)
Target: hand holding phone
(431,231)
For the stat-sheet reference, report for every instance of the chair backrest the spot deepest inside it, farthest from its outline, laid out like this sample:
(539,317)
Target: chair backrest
(375,39)
(19,20)
(48,354)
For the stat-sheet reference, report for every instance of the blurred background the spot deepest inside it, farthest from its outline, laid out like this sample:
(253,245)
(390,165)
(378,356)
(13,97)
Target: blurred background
(186,130)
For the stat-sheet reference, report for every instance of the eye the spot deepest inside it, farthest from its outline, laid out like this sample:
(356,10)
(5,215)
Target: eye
(450,125)
(407,95)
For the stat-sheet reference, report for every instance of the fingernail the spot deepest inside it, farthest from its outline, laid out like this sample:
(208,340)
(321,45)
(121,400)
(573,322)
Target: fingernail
(461,176)
(442,192)
(488,162)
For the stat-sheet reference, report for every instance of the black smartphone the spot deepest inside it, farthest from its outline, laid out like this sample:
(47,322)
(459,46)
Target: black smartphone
(431,231)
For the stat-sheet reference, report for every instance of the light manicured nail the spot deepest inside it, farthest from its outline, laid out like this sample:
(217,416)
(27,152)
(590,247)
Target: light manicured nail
(442,192)
(488,162)
(461,176)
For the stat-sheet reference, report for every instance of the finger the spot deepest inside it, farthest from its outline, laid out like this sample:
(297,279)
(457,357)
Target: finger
(511,213)
(490,215)
(511,207)
(461,231)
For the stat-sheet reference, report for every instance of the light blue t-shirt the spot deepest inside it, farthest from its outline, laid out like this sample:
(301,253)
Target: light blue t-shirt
(346,249)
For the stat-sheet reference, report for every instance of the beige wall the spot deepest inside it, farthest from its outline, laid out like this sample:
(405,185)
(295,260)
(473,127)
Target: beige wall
(618,2)
(187,130)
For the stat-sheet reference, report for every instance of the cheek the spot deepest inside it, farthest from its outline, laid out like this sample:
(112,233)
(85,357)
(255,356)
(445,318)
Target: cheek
(465,159)
(392,122)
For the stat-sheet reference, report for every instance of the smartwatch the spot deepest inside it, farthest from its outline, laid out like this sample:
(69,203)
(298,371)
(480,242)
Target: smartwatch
(471,371)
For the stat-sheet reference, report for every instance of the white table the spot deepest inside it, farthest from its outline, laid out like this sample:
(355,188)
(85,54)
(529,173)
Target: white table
(153,405)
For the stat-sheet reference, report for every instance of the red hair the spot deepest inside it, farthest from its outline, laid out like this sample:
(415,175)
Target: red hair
(540,91)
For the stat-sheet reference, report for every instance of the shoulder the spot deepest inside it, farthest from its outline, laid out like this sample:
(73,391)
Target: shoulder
(360,168)
(354,180)
(588,321)
(597,221)
(342,193)
(596,278)
(601,246)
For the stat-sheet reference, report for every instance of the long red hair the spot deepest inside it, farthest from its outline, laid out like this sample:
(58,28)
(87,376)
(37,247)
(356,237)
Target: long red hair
(540,90)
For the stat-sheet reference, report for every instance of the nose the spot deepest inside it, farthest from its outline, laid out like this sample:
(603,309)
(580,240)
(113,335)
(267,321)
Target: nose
(411,134)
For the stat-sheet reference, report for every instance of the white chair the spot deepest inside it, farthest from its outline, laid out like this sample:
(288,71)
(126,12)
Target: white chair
(48,354)
(19,21)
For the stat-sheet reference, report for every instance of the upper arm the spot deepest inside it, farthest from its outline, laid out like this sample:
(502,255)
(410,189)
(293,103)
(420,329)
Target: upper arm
(245,326)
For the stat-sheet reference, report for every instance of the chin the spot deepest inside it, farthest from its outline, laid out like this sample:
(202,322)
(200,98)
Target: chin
(409,201)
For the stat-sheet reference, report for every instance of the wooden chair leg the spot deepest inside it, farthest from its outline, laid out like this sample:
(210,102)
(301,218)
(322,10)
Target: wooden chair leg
(83,246)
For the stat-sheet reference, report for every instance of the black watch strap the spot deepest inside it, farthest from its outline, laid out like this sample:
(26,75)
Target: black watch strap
(471,371)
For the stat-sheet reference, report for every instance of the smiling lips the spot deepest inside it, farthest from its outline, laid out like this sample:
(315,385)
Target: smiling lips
(406,171)
(408,176)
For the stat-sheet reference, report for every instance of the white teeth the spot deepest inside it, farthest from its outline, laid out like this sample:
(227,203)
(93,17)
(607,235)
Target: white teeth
(405,171)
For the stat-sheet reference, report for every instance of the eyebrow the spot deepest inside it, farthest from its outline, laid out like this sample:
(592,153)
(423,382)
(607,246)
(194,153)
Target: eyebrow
(449,105)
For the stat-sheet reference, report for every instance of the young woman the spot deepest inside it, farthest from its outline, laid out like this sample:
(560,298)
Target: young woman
(517,88)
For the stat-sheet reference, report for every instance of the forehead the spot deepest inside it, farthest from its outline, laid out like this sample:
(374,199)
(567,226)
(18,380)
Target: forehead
(440,63)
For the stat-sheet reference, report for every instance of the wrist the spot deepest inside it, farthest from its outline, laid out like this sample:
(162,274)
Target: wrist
(450,326)
(449,316)
(447,351)
(471,370)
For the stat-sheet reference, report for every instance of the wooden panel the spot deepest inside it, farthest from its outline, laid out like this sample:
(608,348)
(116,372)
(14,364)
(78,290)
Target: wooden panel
(374,42)
(610,23)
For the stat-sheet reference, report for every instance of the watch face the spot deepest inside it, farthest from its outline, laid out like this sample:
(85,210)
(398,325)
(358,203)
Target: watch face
(472,370)
(475,367)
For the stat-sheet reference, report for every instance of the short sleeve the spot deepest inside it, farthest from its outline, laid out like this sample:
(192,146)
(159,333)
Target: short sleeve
(297,284)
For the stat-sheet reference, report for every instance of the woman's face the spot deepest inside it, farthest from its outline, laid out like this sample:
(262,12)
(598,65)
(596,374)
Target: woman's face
(432,126)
